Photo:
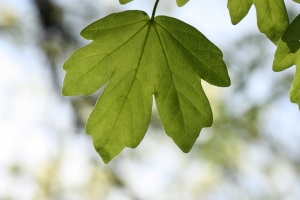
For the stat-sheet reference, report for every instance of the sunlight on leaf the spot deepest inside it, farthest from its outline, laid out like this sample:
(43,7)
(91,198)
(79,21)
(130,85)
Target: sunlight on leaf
(272,17)
(288,54)
(140,58)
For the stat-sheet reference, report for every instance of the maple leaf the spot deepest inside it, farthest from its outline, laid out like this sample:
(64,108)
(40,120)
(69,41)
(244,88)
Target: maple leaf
(140,57)
(288,54)
(272,17)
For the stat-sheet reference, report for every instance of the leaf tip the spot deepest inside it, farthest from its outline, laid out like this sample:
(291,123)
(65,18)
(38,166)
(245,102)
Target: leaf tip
(85,33)
(65,92)
(295,100)
(104,153)
(227,82)
(68,90)
(186,148)
(181,3)
(107,156)
(275,68)
(124,1)
(234,21)
(297,1)
(106,160)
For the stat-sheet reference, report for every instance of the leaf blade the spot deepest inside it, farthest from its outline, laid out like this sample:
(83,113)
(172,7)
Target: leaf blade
(272,17)
(126,90)
(171,93)
(288,54)
(213,69)
(99,66)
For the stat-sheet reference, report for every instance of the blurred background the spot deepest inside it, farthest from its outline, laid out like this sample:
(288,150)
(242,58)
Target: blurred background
(252,151)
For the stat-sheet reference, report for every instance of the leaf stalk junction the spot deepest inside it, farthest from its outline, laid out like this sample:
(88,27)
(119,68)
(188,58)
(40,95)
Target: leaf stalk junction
(154,10)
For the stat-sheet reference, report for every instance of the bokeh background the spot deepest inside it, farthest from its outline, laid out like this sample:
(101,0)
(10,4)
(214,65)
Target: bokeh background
(252,151)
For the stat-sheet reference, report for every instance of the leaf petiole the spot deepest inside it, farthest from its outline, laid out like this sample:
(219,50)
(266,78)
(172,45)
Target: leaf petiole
(154,10)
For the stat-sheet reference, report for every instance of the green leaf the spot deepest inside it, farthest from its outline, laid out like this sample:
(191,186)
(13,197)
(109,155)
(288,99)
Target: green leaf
(181,3)
(139,57)
(272,17)
(124,1)
(288,54)
(298,1)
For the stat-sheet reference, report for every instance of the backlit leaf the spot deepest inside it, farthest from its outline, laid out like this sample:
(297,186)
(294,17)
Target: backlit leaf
(272,18)
(288,54)
(138,58)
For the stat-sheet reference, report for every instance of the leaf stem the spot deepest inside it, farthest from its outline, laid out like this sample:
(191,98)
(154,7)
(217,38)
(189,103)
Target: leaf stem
(154,10)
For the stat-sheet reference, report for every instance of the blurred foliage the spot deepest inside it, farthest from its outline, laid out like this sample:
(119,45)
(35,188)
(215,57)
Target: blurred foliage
(239,123)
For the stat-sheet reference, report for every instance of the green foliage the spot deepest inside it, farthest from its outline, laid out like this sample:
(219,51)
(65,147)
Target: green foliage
(288,54)
(136,57)
(272,18)
(125,1)
(140,57)
(181,2)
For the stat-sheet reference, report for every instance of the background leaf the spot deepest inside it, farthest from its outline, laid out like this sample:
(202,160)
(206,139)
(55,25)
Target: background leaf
(238,9)
(181,2)
(272,18)
(124,1)
(288,54)
(139,58)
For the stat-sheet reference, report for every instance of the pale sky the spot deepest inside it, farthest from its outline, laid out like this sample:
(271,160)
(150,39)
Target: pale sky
(32,119)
